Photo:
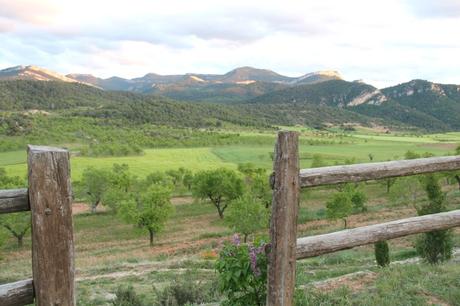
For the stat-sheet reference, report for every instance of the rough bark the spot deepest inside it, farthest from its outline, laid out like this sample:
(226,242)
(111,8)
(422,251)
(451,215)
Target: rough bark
(14,200)
(17,293)
(50,198)
(347,239)
(375,171)
(283,228)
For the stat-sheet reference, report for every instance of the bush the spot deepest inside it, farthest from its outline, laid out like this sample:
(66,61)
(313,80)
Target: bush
(434,246)
(126,296)
(382,253)
(242,272)
(185,290)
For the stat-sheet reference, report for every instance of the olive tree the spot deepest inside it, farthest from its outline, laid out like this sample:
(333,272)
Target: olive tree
(220,186)
(148,210)
(94,185)
(246,215)
(16,224)
(339,207)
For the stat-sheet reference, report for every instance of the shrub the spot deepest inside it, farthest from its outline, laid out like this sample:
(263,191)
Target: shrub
(126,296)
(185,290)
(382,253)
(242,272)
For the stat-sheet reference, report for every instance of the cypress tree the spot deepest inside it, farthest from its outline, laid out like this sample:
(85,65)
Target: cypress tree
(434,246)
(382,253)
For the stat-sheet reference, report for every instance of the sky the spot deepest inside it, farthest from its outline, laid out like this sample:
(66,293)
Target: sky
(380,42)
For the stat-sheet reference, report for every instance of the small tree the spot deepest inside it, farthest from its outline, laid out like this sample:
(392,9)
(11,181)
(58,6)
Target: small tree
(340,207)
(120,177)
(16,224)
(220,186)
(406,191)
(388,183)
(246,215)
(434,246)
(261,189)
(382,253)
(149,210)
(187,179)
(93,186)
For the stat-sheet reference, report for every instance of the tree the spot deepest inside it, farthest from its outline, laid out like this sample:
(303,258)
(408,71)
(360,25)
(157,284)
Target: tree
(257,181)
(406,191)
(17,224)
(456,175)
(187,180)
(434,246)
(120,177)
(340,207)
(246,215)
(358,199)
(149,210)
(388,183)
(382,253)
(157,177)
(220,186)
(175,175)
(261,189)
(93,186)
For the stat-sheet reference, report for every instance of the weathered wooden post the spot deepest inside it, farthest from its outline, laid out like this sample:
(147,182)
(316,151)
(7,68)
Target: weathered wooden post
(50,198)
(283,227)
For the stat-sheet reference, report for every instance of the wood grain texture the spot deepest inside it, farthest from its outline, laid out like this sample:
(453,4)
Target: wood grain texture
(346,239)
(50,199)
(17,293)
(374,171)
(14,200)
(283,227)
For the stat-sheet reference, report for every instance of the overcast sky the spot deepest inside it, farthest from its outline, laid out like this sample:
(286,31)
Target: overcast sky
(382,42)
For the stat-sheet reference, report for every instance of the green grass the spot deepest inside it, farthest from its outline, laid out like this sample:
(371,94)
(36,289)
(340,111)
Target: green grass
(334,148)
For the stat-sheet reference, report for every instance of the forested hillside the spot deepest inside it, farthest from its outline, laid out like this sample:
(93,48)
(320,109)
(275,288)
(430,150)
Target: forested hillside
(421,104)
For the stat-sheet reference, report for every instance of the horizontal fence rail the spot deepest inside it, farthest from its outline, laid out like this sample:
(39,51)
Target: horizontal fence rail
(374,171)
(14,200)
(346,239)
(17,293)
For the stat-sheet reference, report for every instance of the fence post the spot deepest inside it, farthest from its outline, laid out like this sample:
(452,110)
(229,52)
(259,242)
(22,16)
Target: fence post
(283,227)
(50,198)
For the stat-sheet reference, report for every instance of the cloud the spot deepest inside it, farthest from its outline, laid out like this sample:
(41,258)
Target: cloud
(381,42)
(435,8)
(35,12)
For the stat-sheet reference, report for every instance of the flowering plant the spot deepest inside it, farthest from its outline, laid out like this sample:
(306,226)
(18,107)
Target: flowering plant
(242,272)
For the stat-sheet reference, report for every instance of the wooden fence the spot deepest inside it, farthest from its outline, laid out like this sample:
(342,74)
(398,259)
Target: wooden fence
(49,198)
(287,180)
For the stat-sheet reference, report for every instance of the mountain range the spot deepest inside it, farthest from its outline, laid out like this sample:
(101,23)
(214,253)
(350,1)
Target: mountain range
(314,98)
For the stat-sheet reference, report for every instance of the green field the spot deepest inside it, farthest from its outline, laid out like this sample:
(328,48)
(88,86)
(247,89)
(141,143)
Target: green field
(332,148)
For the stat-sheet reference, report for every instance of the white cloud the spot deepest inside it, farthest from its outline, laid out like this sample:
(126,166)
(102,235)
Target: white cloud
(382,42)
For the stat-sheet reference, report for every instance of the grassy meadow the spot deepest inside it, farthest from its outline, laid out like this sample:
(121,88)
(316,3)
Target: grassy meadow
(333,148)
(110,253)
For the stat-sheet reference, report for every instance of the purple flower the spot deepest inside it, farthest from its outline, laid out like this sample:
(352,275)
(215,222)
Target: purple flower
(253,258)
(236,240)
